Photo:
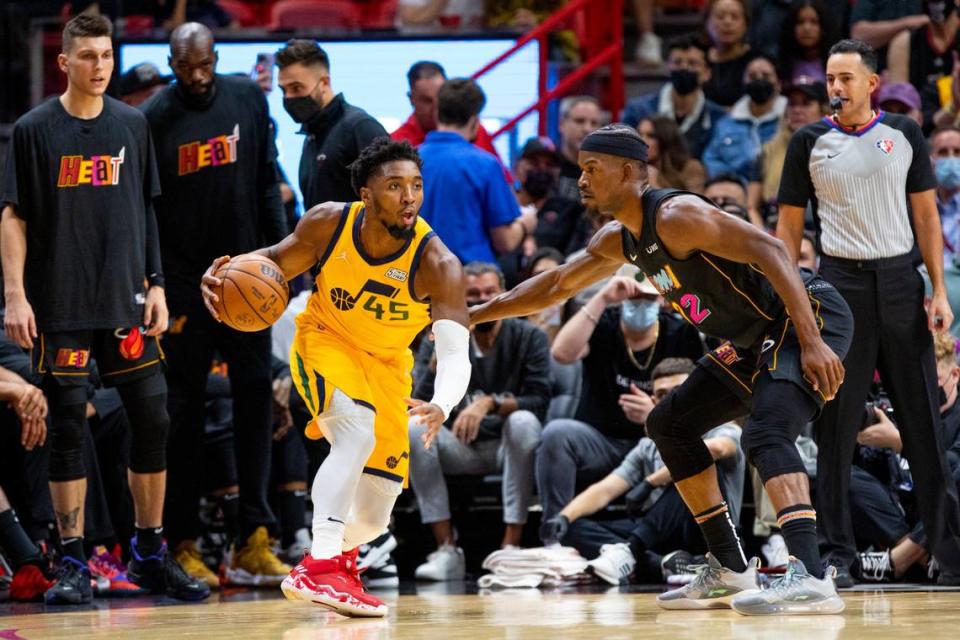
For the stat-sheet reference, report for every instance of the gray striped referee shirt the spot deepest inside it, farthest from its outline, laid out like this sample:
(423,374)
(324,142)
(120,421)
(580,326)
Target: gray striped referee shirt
(858,183)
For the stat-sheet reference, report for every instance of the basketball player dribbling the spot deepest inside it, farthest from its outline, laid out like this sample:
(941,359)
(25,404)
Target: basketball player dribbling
(383,275)
(788,333)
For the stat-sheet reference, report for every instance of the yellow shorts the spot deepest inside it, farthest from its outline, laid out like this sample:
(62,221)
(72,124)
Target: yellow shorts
(320,362)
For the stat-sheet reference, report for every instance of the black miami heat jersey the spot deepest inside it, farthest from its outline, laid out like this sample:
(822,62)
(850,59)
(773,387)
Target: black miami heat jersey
(84,188)
(723,299)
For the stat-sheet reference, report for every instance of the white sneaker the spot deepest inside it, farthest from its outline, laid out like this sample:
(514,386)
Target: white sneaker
(796,593)
(714,587)
(649,50)
(775,551)
(614,564)
(301,544)
(376,565)
(446,563)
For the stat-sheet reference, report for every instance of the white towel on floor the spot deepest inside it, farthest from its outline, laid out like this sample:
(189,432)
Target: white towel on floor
(532,567)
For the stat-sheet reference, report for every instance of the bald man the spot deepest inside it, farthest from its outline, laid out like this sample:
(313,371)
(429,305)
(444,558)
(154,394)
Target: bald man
(218,173)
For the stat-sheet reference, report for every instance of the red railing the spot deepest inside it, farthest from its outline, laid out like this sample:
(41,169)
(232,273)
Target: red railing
(600,28)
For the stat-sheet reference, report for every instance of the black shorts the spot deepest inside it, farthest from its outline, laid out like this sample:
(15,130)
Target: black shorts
(779,351)
(122,355)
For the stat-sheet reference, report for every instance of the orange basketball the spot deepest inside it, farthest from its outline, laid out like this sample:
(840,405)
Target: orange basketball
(254,292)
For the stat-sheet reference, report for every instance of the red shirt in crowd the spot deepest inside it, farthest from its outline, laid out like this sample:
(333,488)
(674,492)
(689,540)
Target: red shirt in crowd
(412,132)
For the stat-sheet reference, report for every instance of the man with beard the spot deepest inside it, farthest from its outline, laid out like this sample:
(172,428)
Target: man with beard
(221,196)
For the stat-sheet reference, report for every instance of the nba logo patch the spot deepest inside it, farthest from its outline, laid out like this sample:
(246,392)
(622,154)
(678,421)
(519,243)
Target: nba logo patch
(885,145)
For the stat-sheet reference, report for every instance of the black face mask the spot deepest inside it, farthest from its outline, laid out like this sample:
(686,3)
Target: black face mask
(197,101)
(302,109)
(943,396)
(538,183)
(482,327)
(684,81)
(759,90)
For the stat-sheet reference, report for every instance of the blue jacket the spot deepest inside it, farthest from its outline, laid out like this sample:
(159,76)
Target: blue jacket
(696,128)
(739,137)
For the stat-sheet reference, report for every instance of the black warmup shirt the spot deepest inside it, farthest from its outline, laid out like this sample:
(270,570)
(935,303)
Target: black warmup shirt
(334,140)
(723,299)
(84,188)
(218,171)
(608,370)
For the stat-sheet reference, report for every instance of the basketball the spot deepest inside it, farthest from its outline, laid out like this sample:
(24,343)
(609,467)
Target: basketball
(254,293)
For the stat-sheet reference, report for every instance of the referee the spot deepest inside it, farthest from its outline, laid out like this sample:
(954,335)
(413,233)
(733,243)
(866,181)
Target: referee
(221,196)
(857,168)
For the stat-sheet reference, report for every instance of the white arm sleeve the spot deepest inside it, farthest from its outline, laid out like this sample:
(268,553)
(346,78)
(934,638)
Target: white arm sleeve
(452,341)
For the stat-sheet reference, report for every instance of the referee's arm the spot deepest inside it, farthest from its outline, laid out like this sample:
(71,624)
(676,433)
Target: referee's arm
(926,223)
(796,190)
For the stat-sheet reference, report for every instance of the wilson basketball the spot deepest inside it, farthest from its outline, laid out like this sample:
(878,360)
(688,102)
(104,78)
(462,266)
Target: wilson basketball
(254,292)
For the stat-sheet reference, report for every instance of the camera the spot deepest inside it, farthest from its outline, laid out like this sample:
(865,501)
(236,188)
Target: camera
(870,416)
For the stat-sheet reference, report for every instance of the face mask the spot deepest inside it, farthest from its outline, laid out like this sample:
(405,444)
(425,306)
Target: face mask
(943,395)
(538,183)
(684,81)
(194,100)
(948,172)
(302,109)
(759,90)
(639,316)
(482,327)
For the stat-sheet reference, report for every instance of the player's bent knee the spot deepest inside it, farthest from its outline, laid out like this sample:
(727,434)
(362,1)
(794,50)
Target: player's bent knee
(658,422)
(150,426)
(66,442)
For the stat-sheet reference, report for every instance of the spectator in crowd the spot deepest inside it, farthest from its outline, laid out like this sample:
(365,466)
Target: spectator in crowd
(620,336)
(809,256)
(926,59)
(948,378)
(682,98)
(537,175)
(173,13)
(667,151)
(753,121)
(466,200)
(205,212)
(726,24)
(901,98)
(140,83)
(771,16)
(877,22)
(806,103)
(867,234)
(550,319)
(729,192)
(335,131)
(945,155)
(496,427)
(659,521)
(579,116)
(430,15)
(648,44)
(806,35)
(425,79)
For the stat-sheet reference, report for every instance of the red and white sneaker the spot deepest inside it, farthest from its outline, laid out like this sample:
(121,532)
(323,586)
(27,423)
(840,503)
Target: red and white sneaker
(333,583)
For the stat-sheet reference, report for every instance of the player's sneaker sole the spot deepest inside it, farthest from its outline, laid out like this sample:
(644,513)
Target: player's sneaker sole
(827,606)
(689,604)
(326,596)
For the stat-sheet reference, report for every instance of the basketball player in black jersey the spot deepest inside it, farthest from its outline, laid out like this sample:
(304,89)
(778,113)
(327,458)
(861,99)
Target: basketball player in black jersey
(787,334)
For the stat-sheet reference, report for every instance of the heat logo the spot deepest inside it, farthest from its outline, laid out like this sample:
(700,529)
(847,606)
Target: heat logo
(98,171)
(664,280)
(215,152)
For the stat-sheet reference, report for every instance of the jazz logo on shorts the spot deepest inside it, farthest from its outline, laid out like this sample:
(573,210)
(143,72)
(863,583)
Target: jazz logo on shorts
(98,171)
(72,358)
(213,152)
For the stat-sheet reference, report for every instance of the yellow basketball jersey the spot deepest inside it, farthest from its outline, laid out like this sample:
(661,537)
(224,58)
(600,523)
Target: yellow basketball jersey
(369,303)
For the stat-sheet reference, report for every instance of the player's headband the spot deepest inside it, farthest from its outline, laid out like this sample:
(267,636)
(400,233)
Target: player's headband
(616,140)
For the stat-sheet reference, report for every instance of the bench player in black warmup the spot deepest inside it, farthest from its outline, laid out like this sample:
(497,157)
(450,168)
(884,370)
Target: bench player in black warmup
(218,174)
(787,337)
(82,277)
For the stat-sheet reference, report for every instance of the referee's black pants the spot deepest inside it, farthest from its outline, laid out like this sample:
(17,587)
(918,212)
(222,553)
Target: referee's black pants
(890,335)
(189,348)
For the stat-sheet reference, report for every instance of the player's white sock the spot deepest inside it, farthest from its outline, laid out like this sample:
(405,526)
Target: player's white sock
(348,428)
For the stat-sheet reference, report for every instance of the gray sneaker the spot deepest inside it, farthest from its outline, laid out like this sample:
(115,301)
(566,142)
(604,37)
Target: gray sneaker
(796,593)
(713,588)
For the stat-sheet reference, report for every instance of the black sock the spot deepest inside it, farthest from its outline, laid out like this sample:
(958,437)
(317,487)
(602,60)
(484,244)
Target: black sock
(15,542)
(73,547)
(149,541)
(798,525)
(230,506)
(721,537)
(293,515)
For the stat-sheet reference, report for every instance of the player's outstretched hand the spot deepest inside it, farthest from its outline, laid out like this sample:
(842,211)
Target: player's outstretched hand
(209,283)
(822,368)
(155,313)
(429,415)
(19,322)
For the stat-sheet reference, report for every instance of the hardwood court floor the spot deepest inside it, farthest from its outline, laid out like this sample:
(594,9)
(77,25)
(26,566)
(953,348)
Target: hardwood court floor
(505,615)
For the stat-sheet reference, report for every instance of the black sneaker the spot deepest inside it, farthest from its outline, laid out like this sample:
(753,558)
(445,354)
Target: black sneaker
(843,579)
(383,574)
(73,584)
(948,578)
(376,565)
(676,563)
(160,573)
(875,566)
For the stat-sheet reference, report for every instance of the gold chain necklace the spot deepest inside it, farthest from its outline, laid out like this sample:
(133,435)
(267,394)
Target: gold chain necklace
(653,347)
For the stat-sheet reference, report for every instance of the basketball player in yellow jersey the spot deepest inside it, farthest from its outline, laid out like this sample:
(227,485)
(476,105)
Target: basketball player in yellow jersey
(383,276)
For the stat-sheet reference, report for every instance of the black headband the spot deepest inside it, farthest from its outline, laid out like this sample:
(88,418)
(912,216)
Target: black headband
(623,146)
